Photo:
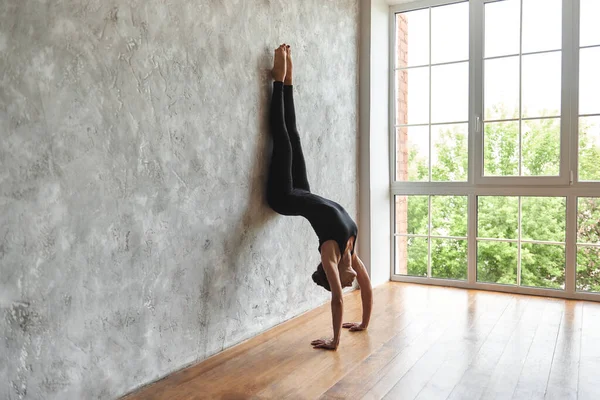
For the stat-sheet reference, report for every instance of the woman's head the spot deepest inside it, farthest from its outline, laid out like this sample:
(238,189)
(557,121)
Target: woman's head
(345,270)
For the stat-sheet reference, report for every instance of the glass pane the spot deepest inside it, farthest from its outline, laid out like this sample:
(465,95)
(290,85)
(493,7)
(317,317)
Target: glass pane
(450,92)
(497,217)
(412,96)
(589,81)
(502,28)
(541,147)
(497,262)
(412,153)
(449,216)
(412,38)
(450,33)
(541,85)
(589,148)
(449,259)
(542,22)
(501,149)
(588,217)
(543,218)
(412,215)
(589,32)
(449,153)
(543,265)
(501,88)
(411,256)
(588,269)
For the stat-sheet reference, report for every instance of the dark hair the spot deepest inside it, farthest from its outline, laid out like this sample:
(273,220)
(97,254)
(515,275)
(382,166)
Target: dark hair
(320,278)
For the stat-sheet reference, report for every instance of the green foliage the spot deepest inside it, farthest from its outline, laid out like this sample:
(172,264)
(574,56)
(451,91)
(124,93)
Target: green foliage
(497,262)
(541,147)
(501,149)
(449,258)
(588,232)
(450,146)
(417,256)
(589,149)
(542,218)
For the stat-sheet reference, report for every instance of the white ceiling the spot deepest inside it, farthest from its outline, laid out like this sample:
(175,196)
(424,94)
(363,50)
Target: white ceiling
(395,2)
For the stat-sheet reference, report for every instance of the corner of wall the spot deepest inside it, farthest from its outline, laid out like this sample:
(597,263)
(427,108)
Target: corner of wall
(374,175)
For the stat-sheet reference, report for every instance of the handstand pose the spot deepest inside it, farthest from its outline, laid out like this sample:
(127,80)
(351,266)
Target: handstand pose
(288,193)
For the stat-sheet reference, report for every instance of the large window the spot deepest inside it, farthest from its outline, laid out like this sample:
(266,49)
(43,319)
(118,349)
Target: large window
(496,145)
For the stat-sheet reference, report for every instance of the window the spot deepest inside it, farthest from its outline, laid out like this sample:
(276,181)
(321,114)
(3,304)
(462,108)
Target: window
(496,140)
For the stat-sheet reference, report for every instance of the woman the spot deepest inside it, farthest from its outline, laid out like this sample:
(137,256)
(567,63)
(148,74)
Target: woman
(288,193)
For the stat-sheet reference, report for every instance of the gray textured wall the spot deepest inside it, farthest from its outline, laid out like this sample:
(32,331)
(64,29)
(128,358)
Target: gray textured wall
(134,234)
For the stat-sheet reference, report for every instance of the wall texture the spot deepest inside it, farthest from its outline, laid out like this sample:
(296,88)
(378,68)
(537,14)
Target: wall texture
(134,234)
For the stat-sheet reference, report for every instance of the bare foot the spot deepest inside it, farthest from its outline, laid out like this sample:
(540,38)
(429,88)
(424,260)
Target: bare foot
(288,73)
(279,64)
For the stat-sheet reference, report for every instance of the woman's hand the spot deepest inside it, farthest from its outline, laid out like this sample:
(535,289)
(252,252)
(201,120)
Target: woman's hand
(327,344)
(354,326)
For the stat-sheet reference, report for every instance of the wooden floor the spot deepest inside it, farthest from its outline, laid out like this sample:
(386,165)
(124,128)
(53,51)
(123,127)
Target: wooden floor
(424,342)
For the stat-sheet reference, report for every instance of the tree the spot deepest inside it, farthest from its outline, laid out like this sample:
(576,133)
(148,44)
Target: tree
(542,218)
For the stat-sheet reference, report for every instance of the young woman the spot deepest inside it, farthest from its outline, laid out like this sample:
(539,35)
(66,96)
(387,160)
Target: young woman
(288,193)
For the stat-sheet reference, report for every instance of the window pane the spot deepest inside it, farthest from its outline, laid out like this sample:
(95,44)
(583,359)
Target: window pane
(412,96)
(449,216)
(541,147)
(589,81)
(541,85)
(501,88)
(588,220)
(449,153)
(543,218)
(589,32)
(449,259)
(411,256)
(450,92)
(589,148)
(412,153)
(412,37)
(502,28)
(542,21)
(497,262)
(543,266)
(501,149)
(412,215)
(497,217)
(588,269)
(450,33)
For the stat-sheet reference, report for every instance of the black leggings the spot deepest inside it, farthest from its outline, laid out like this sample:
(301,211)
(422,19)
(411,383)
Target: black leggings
(288,183)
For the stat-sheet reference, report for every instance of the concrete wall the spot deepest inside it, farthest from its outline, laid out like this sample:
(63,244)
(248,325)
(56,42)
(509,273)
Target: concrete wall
(134,234)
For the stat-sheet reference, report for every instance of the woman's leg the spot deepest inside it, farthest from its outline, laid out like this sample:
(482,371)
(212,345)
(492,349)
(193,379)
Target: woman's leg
(280,183)
(300,179)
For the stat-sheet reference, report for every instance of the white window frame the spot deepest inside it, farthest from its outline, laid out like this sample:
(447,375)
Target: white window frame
(565,185)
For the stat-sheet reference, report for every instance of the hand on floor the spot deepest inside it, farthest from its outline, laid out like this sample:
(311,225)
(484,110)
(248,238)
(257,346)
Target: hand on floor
(327,344)
(354,326)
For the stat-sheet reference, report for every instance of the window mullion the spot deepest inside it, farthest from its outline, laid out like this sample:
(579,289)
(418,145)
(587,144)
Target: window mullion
(519,245)
(571,247)
(520,105)
(571,136)
(472,240)
(476,39)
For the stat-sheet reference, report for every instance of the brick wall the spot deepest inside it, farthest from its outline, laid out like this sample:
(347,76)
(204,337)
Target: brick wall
(401,140)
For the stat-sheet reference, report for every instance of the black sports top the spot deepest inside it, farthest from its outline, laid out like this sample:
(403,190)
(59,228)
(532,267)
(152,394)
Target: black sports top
(329,219)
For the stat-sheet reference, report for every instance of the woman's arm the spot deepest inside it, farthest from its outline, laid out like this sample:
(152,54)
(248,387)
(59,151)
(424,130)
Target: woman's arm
(366,292)
(330,257)
(366,295)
